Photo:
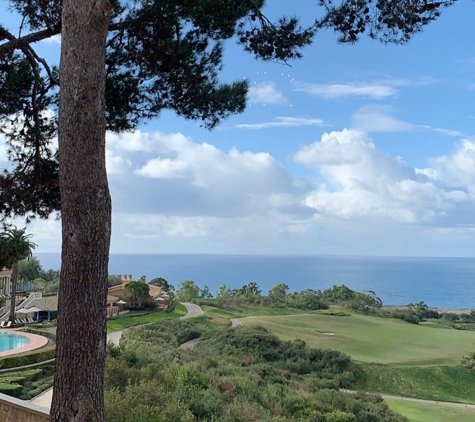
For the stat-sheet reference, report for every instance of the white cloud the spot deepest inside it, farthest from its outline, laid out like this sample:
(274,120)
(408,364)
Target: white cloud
(265,93)
(3,150)
(442,131)
(377,118)
(372,90)
(116,164)
(164,168)
(361,182)
(178,177)
(458,168)
(377,90)
(55,39)
(283,121)
(137,141)
(171,194)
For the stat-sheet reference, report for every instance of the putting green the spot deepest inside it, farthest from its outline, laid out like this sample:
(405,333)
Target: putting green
(372,339)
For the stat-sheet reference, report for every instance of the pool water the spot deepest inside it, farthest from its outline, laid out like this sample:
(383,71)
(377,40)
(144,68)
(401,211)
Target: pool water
(11,341)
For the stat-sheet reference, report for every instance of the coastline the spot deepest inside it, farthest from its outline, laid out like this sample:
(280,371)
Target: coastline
(457,311)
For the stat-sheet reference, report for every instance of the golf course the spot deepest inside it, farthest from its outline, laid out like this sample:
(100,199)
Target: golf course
(372,339)
(394,357)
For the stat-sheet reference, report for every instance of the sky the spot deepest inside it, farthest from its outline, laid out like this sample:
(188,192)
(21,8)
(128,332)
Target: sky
(365,149)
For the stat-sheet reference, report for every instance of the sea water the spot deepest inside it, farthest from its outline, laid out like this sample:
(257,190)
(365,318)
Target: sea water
(439,282)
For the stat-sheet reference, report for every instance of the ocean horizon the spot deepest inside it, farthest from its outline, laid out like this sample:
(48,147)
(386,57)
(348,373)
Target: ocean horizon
(439,282)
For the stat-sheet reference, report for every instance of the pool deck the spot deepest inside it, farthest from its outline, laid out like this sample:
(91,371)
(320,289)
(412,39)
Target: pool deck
(34,341)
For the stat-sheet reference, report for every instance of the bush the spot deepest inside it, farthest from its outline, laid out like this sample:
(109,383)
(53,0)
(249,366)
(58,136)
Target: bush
(28,358)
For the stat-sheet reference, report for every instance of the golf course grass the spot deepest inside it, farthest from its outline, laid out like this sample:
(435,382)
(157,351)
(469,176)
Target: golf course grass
(134,319)
(425,412)
(442,383)
(372,339)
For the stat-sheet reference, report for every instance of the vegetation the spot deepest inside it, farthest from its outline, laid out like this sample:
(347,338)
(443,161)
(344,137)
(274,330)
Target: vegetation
(342,295)
(15,245)
(135,318)
(445,383)
(245,374)
(137,292)
(27,358)
(29,383)
(142,77)
(164,284)
(30,270)
(370,338)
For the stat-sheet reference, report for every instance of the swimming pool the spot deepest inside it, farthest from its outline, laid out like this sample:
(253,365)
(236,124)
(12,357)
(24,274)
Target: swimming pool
(11,341)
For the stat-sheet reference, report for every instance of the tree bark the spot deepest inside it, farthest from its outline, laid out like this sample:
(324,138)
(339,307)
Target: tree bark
(85,213)
(13,282)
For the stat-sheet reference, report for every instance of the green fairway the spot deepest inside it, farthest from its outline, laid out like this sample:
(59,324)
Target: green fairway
(373,339)
(425,412)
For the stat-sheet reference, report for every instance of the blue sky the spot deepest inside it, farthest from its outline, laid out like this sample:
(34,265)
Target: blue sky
(365,149)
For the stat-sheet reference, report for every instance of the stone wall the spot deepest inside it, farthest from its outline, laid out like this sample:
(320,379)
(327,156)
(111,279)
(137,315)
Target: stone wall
(47,302)
(15,410)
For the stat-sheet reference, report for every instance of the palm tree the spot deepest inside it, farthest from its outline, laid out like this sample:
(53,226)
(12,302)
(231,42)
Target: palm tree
(15,245)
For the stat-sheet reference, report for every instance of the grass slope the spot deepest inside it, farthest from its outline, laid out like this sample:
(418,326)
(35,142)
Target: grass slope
(422,412)
(133,319)
(372,339)
(443,383)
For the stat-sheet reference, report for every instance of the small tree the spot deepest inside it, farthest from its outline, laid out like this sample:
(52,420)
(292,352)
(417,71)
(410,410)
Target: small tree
(113,280)
(15,245)
(29,269)
(278,292)
(205,293)
(136,292)
(188,291)
(164,284)
(224,292)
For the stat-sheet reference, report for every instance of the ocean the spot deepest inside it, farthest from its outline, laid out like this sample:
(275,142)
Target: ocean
(439,282)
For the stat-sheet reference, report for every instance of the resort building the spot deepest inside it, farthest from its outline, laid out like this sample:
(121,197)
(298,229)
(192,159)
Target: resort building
(5,281)
(115,295)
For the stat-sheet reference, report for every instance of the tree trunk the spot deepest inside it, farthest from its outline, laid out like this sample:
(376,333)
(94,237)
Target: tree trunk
(13,281)
(85,213)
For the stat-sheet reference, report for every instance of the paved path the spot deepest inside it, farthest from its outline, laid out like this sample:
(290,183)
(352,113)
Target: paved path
(235,322)
(44,399)
(193,311)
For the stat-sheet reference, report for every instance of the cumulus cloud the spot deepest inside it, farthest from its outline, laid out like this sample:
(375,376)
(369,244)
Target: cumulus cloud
(55,39)
(283,121)
(172,175)
(361,182)
(116,164)
(265,93)
(457,168)
(165,168)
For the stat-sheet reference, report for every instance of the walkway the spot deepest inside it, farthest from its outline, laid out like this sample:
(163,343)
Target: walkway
(193,311)
(45,398)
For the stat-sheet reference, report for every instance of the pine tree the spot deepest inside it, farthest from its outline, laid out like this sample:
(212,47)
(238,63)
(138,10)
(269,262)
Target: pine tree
(123,63)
